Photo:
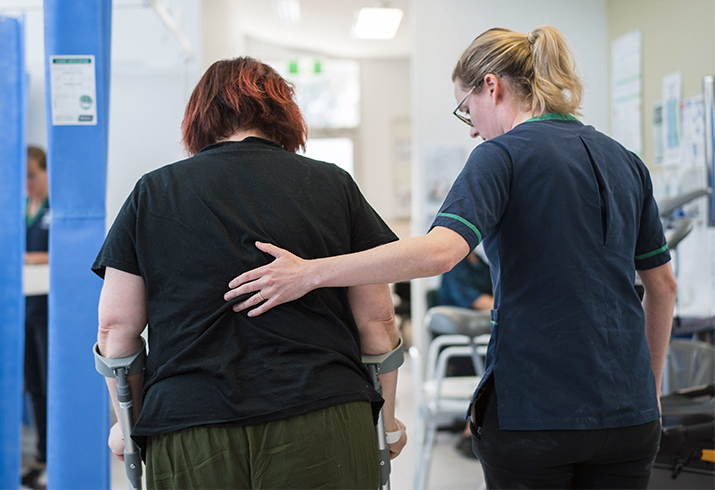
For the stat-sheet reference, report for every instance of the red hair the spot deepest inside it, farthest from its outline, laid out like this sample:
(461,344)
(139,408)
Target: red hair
(242,94)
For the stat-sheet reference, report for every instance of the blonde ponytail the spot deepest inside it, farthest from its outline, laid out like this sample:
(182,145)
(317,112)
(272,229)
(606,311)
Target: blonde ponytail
(539,65)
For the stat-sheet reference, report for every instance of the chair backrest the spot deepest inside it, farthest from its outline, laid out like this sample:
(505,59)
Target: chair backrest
(450,320)
(688,363)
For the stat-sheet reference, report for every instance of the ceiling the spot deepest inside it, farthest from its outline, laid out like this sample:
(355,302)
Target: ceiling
(325,27)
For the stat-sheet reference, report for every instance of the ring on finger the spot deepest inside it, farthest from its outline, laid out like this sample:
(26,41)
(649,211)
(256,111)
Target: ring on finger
(261,296)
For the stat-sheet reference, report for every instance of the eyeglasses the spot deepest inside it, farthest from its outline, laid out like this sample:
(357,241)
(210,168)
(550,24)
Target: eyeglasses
(461,115)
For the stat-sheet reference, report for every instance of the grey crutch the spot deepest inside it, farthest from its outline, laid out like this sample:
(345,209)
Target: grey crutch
(121,369)
(383,363)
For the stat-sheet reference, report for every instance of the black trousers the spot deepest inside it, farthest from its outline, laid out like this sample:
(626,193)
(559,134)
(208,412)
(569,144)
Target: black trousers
(36,366)
(603,458)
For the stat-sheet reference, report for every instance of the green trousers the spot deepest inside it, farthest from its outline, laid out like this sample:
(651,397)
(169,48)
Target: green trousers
(331,448)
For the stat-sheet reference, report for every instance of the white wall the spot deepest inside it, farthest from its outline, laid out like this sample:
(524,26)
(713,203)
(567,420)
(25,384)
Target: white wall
(151,82)
(385,108)
(441,32)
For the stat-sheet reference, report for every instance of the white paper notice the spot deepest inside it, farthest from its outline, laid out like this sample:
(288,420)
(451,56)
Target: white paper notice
(626,91)
(692,132)
(672,90)
(658,133)
(73,90)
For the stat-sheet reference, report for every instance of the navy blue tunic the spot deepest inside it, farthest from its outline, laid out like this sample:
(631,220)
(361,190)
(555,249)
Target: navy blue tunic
(38,232)
(567,216)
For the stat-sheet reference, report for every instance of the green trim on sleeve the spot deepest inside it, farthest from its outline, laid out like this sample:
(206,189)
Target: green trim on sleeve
(654,252)
(464,221)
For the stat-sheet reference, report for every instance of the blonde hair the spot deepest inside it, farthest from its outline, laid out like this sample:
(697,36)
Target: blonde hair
(539,65)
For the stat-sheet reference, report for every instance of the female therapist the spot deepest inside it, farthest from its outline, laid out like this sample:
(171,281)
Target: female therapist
(567,216)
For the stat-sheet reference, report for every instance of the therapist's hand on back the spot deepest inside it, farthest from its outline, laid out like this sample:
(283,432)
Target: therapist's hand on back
(285,279)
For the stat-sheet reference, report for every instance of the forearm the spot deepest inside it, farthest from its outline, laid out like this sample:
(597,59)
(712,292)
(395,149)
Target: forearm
(415,257)
(483,302)
(122,318)
(658,303)
(289,277)
(37,257)
(388,381)
(114,343)
(374,316)
(378,337)
(658,324)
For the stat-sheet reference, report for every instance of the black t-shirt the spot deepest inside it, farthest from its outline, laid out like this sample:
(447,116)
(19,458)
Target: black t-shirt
(188,229)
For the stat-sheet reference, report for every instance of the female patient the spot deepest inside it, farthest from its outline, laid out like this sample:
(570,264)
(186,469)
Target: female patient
(228,401)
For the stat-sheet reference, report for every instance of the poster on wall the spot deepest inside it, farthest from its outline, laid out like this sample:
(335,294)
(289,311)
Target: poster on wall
(627,92)
(442,166)
(402,168)
(692,131)
(658,133)
(73,90)
(672,90)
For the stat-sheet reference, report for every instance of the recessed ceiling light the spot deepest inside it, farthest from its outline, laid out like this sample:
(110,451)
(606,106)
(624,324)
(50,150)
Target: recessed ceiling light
(377,23)
(287,11)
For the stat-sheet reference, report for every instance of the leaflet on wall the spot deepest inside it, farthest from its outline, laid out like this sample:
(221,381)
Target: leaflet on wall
(626,91)
(672,90)
(402,168)
(692,132)
(658,133)
(442,166)
(73,90)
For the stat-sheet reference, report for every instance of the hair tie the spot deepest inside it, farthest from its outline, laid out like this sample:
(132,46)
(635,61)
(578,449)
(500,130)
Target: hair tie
(530,37)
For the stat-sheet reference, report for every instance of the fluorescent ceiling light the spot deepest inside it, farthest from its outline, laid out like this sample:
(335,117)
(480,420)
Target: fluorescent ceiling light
(287,11)
(377,23)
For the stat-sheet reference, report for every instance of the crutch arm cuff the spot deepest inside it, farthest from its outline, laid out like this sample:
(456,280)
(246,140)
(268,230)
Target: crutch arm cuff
(388,361)
(133,364)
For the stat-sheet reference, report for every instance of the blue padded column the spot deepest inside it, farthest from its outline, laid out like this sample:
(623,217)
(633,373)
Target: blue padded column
(77,400)
(13,156)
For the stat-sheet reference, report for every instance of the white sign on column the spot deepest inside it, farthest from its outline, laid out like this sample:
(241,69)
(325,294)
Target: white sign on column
(73,90)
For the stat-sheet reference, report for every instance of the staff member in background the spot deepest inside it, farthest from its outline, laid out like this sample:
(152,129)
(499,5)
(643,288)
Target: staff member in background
(281,401)
(37,218)
(567,215)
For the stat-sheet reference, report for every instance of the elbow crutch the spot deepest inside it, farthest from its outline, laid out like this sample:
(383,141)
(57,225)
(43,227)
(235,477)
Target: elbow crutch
(122,368)
(383,363)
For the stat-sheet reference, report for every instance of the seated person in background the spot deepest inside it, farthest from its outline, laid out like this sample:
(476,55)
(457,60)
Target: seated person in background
(468,285)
